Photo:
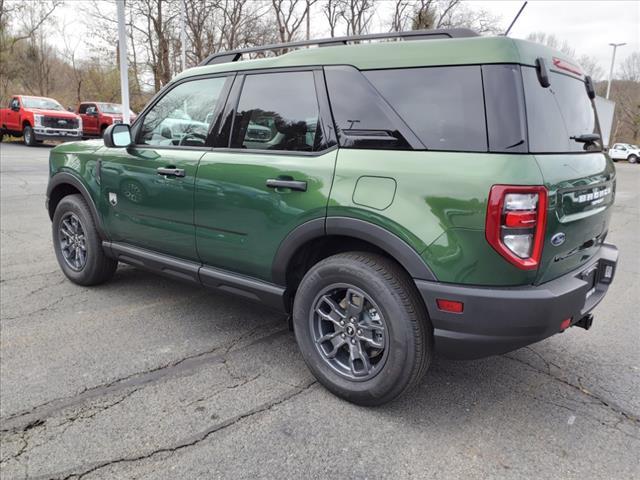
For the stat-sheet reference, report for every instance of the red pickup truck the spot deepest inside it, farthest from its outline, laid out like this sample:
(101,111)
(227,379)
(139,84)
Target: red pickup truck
(36,119)
(97,116)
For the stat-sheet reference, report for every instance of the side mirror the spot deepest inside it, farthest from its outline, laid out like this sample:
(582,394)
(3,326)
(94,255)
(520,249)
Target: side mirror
(117,135)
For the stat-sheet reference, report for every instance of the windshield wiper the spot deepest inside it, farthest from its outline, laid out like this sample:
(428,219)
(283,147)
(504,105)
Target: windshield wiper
(586,138)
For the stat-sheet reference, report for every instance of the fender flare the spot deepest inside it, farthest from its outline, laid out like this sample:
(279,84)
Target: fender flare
(400,250)
(65,178)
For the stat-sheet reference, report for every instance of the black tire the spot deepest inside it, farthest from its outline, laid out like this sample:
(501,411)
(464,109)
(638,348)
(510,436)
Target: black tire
(97,267)
(632,159)
(28,136)
(409,343)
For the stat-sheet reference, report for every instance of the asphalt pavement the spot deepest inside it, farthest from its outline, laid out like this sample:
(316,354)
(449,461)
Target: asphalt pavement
(148,378)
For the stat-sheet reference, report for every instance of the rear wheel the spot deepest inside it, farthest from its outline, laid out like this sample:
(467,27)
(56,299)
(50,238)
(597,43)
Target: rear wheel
(28,136)
(632,159)
(361,327)
(77,244)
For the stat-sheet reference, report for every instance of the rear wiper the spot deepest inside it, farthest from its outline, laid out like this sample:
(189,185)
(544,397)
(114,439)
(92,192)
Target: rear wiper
(586,138)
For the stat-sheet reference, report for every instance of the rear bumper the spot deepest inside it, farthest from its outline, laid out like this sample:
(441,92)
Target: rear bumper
(499,320)
(44,133)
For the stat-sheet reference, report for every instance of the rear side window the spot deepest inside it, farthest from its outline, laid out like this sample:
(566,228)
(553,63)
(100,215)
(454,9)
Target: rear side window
(278,111)
(444,106)
(504,101)
(557,113)
(363,119)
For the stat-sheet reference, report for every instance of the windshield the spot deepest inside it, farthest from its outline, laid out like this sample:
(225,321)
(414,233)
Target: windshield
(559,114)
(112,108)
(41,103)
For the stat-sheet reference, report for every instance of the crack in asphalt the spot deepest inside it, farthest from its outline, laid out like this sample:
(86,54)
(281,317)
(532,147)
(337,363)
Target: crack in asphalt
(188,442)
(580,388)
(21,421)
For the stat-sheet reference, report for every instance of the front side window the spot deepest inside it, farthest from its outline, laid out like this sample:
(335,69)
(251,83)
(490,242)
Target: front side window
(15,103)
(444,106)
(278,111)
(559,115)
(183,116)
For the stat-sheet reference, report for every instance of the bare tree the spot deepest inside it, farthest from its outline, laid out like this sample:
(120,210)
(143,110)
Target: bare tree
(357,14)
(452,14)
(290,14)
(401,15)
(331,10)
(630,68)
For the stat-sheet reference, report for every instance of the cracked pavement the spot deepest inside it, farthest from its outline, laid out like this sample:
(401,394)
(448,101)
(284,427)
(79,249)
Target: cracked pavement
(148,378)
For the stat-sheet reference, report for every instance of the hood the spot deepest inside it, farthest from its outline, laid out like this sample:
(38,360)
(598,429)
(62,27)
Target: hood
(53,113)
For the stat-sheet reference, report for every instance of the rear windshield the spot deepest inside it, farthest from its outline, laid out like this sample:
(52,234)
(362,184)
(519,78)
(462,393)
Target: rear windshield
(557,113)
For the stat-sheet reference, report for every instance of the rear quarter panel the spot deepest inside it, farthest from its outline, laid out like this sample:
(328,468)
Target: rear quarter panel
(438,207)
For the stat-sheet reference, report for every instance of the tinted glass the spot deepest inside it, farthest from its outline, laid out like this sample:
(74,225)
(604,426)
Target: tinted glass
(442,105)
(362,118)
(183,115)
(557,113)
(504,101)
(278,111)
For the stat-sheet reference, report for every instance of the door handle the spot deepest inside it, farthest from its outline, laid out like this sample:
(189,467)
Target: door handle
(292,184)
(170,171)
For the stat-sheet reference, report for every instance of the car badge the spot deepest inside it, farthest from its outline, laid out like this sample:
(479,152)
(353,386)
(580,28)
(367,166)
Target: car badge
(558,239)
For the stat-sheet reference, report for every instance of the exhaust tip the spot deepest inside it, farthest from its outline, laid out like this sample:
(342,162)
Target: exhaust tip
(585,322)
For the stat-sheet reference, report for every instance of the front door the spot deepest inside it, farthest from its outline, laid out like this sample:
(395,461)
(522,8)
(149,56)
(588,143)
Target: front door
(276,175)
(148,189)
(89,115)
(13,115)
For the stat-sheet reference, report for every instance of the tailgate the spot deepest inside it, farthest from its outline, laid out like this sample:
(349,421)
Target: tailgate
(581,192)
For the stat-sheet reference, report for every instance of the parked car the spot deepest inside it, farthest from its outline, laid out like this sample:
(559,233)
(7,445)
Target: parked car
(396,199)
(625,151)
(37,119)
(97,116)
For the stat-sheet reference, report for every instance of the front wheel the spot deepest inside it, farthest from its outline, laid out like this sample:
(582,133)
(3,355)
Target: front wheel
(77,244)
(28,136)
(362,328)
(632,159)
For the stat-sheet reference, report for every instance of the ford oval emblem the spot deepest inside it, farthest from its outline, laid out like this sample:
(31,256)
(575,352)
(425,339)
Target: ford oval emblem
(558,239)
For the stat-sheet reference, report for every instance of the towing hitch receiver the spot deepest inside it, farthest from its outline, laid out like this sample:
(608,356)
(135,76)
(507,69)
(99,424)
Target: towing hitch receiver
(585,322)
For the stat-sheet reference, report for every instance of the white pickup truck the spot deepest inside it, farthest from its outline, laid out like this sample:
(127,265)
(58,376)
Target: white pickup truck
(624,151)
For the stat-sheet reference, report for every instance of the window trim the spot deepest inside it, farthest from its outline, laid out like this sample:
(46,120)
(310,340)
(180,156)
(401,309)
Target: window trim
(324,112)
(136,128)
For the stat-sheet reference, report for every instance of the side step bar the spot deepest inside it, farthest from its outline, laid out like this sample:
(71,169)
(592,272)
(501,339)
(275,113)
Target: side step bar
(193,272)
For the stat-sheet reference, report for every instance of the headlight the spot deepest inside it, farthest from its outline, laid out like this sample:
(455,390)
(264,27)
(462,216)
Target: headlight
(37,120)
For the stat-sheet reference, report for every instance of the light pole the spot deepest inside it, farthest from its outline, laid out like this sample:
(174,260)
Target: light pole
(124,64)
(613,59)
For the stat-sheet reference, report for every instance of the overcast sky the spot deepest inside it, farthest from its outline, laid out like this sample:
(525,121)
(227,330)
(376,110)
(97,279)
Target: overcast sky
(588,26)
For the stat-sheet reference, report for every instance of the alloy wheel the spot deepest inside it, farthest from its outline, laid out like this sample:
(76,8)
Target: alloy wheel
(72,239)
(349,331)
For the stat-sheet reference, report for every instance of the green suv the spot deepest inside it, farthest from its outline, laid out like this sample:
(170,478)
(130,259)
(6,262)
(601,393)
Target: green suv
(445,194)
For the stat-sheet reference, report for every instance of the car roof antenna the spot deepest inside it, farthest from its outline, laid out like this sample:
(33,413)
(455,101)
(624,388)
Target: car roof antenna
(506,34)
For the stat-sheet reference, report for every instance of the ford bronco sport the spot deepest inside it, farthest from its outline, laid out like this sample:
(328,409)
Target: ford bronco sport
(445,194)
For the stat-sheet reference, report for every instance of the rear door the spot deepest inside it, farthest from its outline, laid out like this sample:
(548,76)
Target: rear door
(578,175)
(148,189)
(274,175)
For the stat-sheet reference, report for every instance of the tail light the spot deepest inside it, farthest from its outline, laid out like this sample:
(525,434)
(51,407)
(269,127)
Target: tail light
(515,225)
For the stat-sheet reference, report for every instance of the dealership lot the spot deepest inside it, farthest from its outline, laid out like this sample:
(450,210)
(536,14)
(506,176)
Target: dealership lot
(145,377)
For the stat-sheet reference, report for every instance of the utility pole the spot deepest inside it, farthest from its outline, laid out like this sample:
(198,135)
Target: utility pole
(183,34)
(613,60)
(124,63)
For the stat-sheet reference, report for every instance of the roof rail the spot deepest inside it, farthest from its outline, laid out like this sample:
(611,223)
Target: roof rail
(235,55)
